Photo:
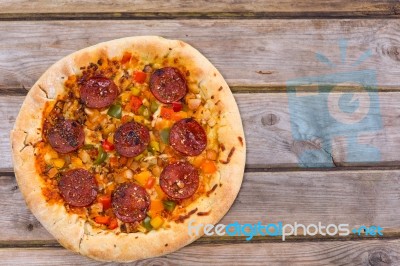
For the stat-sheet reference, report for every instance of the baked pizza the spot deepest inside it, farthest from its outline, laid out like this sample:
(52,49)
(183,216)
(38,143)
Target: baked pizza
(119,145)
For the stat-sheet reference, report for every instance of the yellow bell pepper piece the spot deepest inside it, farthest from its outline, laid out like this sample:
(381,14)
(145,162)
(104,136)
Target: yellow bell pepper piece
(76,162)
(142,177)
(160,192)
(59,163)
(157,222)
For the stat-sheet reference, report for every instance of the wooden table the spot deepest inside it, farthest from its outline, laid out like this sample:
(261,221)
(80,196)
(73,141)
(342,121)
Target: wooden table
(258,47)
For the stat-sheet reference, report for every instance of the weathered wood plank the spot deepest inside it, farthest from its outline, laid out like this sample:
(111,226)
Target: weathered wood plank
(282,132)
(373,252)
(247,52)
(272,8)
(352,197)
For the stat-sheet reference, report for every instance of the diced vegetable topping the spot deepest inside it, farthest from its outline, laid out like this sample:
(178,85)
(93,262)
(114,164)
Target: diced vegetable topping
(156,222)
(177,106)
(144,111)
(101,157)
(167,113)
(106,201)
(135,103)
(115,111)
(155,146)
(156,207)
(59,163)
(113,224)
(159,191)
(146,223)
(139,77)
(135,91)
(142,177)
(153,106)
(169,205)
(102,219)
(164,135)
(150,182)
(107,146)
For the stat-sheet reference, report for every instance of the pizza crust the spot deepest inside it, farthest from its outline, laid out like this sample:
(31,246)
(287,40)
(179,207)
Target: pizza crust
(74,232)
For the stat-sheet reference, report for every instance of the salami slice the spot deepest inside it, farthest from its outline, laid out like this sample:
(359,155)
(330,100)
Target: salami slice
(179,180)
(188,137)
(98,92)
(130,202)
(168,85)
(66,135)
(78,187)
(131,139)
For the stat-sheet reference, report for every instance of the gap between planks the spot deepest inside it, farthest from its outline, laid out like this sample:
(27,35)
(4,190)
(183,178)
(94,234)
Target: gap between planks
(221,240)
(389,14)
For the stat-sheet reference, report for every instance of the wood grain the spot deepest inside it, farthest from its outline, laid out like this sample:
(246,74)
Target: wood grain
(252,53)
(349,197)
(271,124)
(372,253)
(230,8)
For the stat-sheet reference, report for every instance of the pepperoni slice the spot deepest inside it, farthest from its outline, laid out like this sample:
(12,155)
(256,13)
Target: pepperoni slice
(99,92)
(130,202)
(179,180)
(78,187)
(66,136)
(188,137)
(131,139)
(168,85)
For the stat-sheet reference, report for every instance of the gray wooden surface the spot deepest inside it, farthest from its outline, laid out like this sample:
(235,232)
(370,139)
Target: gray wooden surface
(258,47)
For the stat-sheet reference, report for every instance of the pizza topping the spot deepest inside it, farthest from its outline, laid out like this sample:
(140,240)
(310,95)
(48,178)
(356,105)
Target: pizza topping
(157,222)
(131,139)
(102,219)
(146,223)
(105,201)
(168,85)
(139,77)
(135,103)
(179,180)
(193,104)
(78,187)
(164,135)
(169,205)
(115,111)
(130,202)
(113,224)
(107,146)
(136,144)
(66,136)
(188,137)
(101,156)
(177,106)
(98,92)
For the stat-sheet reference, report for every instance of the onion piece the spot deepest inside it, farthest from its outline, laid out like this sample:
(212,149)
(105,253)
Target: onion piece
(193,104)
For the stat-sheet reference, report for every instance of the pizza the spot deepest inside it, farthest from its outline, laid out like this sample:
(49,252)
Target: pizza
(119,145)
